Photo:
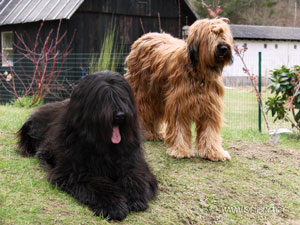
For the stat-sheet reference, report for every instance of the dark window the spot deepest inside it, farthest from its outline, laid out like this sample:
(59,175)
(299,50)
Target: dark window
(295,46)
(276,45)
(265,45)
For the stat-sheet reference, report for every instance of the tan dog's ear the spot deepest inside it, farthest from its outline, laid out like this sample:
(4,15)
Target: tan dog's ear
(217,29)
(226,20)
(194,55)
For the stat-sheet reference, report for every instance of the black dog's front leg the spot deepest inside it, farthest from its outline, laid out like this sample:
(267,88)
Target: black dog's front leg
(100,194)
(139,189)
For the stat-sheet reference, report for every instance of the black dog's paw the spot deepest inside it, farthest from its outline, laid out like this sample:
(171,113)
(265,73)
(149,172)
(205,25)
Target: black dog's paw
(137,206)
(113,212)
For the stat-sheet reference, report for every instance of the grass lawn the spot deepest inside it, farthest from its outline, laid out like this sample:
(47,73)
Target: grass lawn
(260,185)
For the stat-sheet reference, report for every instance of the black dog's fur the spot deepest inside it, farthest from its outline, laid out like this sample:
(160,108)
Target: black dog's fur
(72,139)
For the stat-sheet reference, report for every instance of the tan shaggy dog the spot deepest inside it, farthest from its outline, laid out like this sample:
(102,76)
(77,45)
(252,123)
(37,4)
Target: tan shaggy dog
(177,83)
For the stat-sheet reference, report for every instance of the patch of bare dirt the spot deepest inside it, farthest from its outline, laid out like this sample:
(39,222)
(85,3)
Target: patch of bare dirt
(265,152)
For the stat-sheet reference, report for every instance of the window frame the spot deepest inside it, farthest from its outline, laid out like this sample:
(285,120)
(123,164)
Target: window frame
(7,49)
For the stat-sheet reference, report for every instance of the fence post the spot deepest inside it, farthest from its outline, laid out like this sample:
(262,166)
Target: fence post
(259,90)
(82,72)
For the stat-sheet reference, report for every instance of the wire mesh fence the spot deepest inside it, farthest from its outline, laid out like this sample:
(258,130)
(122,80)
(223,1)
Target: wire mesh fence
(241,107)
(60,77)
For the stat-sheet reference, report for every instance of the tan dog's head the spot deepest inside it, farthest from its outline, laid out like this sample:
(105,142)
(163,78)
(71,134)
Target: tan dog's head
(210,43)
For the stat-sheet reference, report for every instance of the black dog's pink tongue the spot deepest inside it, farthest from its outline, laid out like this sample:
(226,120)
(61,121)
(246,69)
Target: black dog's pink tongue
(116,137)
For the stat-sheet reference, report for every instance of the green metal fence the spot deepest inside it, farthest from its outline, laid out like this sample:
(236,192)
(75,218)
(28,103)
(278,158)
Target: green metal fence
(242,110)
(241,107)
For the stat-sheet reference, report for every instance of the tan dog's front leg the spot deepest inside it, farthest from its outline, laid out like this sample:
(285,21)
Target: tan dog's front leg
(209,141)
(179,138)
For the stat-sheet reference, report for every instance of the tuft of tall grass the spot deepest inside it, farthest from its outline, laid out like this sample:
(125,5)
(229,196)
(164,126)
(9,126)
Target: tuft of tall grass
(108,58)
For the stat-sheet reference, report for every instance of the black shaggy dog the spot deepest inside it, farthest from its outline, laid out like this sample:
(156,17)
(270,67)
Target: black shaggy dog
(90,145)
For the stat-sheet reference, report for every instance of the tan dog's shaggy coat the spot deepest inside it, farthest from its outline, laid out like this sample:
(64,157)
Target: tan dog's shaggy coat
(180,82)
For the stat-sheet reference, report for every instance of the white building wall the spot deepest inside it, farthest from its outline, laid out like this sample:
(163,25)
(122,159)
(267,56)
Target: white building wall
(287,53)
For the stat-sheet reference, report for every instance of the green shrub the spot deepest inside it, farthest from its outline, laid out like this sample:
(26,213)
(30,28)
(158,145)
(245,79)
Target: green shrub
(284,85)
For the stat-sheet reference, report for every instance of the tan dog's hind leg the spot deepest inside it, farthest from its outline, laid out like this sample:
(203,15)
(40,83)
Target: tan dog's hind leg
(151,118)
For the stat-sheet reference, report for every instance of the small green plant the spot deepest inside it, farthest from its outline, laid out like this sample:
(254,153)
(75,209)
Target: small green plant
(108,57)
(26,102)
(285,84)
